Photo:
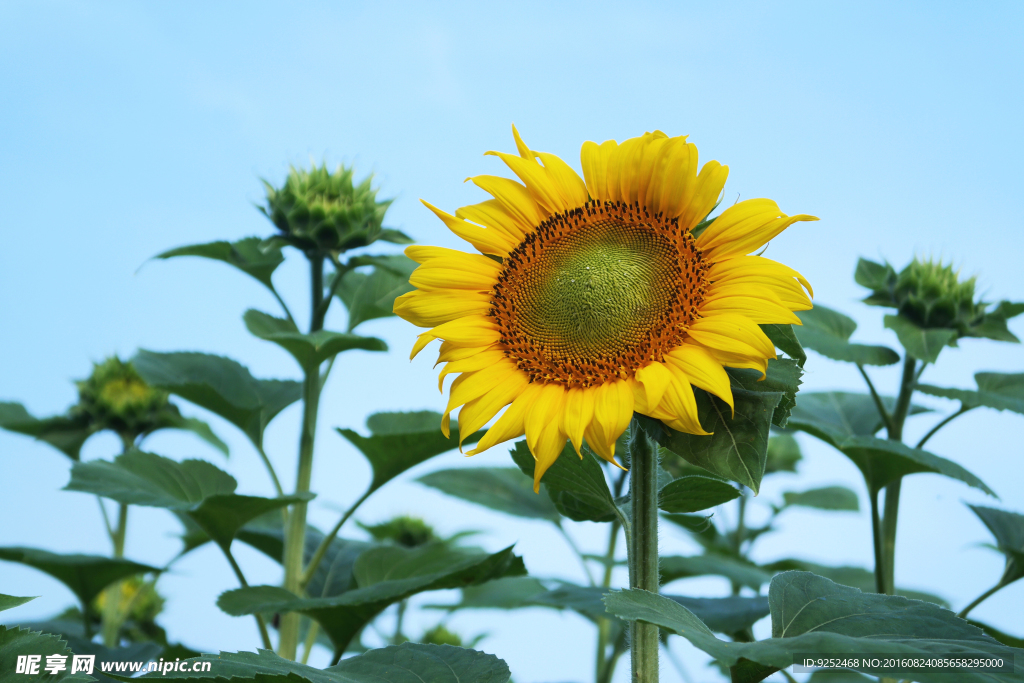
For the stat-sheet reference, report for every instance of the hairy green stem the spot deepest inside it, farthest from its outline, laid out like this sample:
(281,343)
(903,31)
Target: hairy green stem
(643,548)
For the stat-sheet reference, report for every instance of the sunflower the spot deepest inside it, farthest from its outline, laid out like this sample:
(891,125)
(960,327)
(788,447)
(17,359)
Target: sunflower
(593,298)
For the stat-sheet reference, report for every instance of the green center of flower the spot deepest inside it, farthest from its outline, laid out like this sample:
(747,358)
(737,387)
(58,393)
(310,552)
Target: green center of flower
(595,293)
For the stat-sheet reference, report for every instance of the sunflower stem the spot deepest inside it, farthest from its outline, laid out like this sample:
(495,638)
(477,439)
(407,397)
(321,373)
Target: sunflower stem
(891,512)
(643,548)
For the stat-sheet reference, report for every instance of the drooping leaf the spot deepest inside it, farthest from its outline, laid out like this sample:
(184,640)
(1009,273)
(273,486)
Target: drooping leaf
(220,385)
(922,343)
(194,488)
(1008,530)
(736,570)
(309,350)
(828,332)
(85,575)
(992,324)
(17,642)
(812,615)
(66,434)
(835,415)
(384,575)
(695,493)
(855,577)
(250,255)
(1002,391)
(785,340)
(824,498)
(11,601)
(399,441)
(504,489)
(577,486)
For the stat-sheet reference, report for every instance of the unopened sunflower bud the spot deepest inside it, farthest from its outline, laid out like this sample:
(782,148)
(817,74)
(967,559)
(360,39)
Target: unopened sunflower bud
(115,397)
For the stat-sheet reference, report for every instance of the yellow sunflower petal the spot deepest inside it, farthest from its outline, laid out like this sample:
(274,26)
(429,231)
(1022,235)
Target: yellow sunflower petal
(655,379)
(579,412)
(478,361)
(492,215)
(749,266)
(476,413)
(514,198)
(544,434)
(678,179)
(545,193)
(471,385)
(745,227)
(572,187)
(702,370)
(730,332)
(706,192)
(421,343)
(486,240)
(652,161)
(427,309)
(450,351)
(511,423)
(471,330)
(763,309)
(680,405)
(613,409)
(594,159)
(436,277)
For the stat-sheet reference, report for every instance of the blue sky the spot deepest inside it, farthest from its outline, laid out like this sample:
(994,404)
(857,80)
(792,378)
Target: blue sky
(129,128)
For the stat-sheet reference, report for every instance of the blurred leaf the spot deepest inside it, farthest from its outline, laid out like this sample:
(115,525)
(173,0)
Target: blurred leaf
(66,434)
(384,575)
(738,571)
(834,415)
(194,488)
(399,441)
(993,323)
(838,676)
(197,427)
(812,615)
(1002,391)
(855,577)
(15,642)
(220,385)
(1004,638)
(85,575)
(921,343)
(695,493)
(395,236)
(874,276)
(783,453)
(828,332)
(504,489)
(1008,530)
(249,255)
(825,498)
(577,486)
(309,350)
(10,602)
(785,340)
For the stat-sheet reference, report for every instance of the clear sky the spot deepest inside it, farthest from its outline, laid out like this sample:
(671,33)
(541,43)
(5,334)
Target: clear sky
(129,128)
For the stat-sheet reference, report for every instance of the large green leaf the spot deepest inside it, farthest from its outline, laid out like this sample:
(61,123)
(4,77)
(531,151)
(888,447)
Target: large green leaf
(309,350)
(992,324)
(785,340)
(399,441)
(249,255)
(828,332)
(736,570)
(405,663)
(66,434)
(812,615)
(1002,391)
(694,493)
(384,575)
(835,415)
(504,489)
(194,488)
(372,295)
(577,486)
(17,642)
(220,385)
(10,601)
(855,577)
(85,575)
(1008,530)
(824,498)
(922,343)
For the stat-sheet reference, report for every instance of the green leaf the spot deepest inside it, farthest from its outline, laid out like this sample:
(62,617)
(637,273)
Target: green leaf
(838,676)
(384,575)
(504,489)
(783,376)
(197,427)
(738,571)
(85,575)
(824,498)
(835,415)
(694,493)
(220,385)
(194,488)
(15,642)
(577,486)
(309,350)
(66,434)
(372,295)
(1004,638)
(785,340)
(1008,530)
(993,323)
(9,601)
(855,577)
(812,615)
(828,332)
(399,441)
(921,343)
(395,236)
(783,453)
(1002,391)
(874,276)
(249,255)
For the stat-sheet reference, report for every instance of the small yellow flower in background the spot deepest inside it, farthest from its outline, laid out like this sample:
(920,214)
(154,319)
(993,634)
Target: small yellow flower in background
(601,302)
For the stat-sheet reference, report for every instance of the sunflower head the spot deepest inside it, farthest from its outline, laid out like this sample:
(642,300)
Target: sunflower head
(321,210)
(440,635)
(403,530)
(591,298)
(115,397)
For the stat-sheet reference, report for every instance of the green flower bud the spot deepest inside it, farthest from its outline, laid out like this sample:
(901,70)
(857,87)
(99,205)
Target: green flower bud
(403,530)
(317,210)
(115,397)
(136,599)
(439,635)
